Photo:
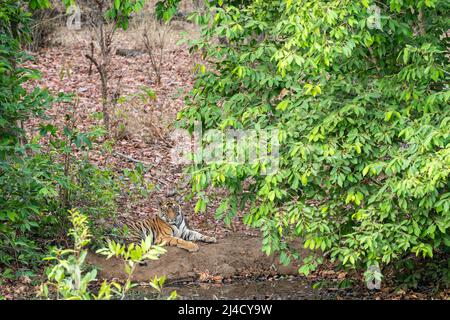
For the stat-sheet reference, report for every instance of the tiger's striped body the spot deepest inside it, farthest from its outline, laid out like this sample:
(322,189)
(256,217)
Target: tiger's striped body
(168,227)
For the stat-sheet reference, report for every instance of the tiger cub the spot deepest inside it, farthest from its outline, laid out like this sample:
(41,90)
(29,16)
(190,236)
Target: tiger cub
(168,227)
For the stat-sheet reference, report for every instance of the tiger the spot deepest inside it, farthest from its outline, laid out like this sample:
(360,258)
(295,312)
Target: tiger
(168,227)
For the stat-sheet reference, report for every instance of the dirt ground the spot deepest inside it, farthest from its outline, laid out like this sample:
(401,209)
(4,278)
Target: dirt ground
(236,255)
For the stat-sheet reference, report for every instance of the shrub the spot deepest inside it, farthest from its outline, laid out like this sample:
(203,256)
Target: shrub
(363,125)
(44,175)
(21,176)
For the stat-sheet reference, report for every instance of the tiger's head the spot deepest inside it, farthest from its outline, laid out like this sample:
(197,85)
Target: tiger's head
(170,212)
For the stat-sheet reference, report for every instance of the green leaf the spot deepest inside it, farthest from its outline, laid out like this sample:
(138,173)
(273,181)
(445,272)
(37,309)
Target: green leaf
(282,105)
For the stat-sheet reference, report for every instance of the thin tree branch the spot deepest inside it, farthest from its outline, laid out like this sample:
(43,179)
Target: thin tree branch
(421,23)
(94,62)
(129,158)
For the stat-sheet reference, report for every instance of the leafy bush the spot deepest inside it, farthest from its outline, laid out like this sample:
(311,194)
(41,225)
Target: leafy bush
(44,175)
(37,190)
(19,183)
(362,117)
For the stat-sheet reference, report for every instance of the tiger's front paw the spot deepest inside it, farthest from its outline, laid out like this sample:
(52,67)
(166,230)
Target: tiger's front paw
(210,239)
(193,248)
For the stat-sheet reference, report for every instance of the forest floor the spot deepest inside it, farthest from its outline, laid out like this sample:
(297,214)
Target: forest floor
(141,131)
(146,137)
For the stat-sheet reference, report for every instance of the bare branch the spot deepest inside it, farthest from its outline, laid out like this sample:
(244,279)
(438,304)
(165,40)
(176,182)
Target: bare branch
(129,158)
(94,62)
(421,23)
(92,54)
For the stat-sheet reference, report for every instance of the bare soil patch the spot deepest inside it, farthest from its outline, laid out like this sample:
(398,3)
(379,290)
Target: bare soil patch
(236,255)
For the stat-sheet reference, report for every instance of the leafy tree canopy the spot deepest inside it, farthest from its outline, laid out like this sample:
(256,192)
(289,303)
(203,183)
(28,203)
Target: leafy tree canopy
(363,120)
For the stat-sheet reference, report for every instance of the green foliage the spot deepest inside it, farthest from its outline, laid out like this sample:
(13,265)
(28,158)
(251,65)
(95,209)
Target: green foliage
(44,175)
(415,272)
(69,278)
(166,9)
(116,11)
(121,10)
(19,183)
(157,283)
(17,103)
(363,121)
(132,255)
(38,189)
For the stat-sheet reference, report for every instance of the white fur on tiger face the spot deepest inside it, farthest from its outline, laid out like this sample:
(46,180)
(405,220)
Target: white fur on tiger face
(171,213)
